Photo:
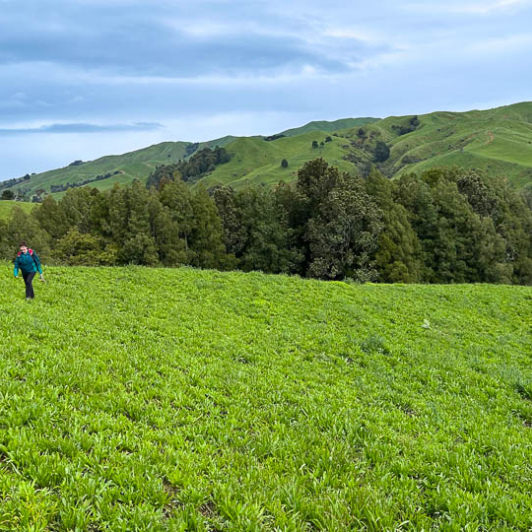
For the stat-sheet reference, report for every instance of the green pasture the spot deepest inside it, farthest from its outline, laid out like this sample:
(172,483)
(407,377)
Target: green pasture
(6,207)
(255,161)
(158,399)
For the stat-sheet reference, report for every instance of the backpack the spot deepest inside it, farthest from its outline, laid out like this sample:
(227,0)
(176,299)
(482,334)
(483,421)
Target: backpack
(30,251)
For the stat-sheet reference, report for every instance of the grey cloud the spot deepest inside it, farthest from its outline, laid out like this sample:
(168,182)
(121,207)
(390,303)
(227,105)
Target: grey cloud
(140,41)
(83,128)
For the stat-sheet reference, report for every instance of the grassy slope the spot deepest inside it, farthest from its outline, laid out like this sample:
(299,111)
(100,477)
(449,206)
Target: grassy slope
(323,125)
(498,141)
(256,161)
(6,207)
(134,165)
(138,399)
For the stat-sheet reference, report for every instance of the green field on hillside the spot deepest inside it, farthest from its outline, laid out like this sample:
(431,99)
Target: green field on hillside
(129,166)
(497,141)
(150,399)
(324,126)
(6,207)
(255,161)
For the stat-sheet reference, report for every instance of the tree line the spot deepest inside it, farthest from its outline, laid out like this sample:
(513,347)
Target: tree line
(443,226)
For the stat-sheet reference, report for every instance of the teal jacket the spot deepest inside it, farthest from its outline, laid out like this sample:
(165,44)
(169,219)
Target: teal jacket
(27,263)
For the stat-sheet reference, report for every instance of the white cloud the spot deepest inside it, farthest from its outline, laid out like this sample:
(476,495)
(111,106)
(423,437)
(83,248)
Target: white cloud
(470,8)
(502,45)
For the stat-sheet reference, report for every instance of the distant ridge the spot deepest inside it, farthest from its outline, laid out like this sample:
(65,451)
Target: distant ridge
(322,125)
(497,142)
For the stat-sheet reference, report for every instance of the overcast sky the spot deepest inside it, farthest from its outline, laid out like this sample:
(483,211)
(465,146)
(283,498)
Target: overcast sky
(84,78)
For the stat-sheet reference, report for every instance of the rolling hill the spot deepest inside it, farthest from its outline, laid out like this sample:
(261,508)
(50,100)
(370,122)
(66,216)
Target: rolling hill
(120,168)
(323,125)
(496,141)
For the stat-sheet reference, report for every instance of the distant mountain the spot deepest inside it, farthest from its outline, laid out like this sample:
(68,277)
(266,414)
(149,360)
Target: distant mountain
(497,141)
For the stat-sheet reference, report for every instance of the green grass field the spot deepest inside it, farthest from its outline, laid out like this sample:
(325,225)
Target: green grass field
(6,207)
(158,399)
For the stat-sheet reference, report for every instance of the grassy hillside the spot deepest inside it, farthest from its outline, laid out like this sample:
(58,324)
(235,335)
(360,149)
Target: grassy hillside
(134,165)
(255,161)
(6,207)
(139,399)
(498,141)
(323,125)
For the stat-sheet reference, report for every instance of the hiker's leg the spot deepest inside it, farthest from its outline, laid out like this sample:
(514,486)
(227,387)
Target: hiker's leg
(28,279)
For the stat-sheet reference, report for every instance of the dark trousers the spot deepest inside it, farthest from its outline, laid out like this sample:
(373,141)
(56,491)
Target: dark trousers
(28,279)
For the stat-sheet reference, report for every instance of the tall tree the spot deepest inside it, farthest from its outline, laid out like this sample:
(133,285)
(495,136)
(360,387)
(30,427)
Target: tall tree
(231,217)
(52,218)
(130,225)
(165,232)
(177,198)
(343,222)
(268,245)
(24,227)
(398,255)
(207,236)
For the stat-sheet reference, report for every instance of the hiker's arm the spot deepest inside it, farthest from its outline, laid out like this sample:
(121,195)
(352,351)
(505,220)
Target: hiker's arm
(15,271)
(37,263)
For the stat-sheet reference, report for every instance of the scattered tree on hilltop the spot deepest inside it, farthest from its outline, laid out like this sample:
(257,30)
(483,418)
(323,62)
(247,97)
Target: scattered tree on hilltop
(274,137)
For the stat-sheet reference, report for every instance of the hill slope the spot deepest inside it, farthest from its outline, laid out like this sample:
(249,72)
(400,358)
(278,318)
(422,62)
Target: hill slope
(120,168)
(324,126)
(497,141)
(196,400)
(6,207)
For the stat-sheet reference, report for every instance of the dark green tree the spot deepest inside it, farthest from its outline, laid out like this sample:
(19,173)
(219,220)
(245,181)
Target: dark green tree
(165,232)
(52,218)
(231,216)
(342,222)
(76,207)
(398,256)
(177,198)
(382,152)
(207,235)
(269,238)
(24,227)
(8,195)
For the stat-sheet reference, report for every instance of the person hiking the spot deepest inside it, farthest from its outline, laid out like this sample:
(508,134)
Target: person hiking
(29,264)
